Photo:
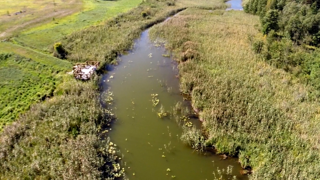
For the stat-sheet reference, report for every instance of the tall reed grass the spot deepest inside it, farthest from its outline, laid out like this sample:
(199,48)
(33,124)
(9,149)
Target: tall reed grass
(251,110)
(60,139)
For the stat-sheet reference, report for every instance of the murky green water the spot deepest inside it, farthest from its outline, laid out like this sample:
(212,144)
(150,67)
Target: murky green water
(151,146)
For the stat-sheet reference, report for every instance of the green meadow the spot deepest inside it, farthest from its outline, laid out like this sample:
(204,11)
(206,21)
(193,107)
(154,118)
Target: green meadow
(92,13)
(26,77)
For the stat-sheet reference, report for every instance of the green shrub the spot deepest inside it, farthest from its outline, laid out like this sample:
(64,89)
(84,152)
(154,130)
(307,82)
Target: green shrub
(59,51)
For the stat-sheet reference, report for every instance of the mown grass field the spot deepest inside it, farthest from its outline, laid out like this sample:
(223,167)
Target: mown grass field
(106,41)
(263,115)
(92,13)
(18,15)
(39,73)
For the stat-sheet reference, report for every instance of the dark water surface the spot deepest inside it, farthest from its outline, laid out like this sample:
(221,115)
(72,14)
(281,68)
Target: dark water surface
(235,5)
(151,146)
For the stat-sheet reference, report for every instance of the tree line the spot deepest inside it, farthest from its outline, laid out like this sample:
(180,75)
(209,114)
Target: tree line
(298,20)
(291,37)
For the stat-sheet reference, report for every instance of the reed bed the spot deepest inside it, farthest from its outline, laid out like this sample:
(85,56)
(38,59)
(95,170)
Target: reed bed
(61,138)
(251,110)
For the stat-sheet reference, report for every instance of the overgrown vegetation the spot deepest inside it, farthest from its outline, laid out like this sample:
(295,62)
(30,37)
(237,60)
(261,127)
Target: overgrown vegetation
(267,117)
(295,19)
(292,36)
(23,82)
(263,115)
(63,136)
(59,139)
(105,42)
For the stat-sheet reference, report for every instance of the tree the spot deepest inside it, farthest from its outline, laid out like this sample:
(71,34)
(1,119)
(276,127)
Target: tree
(270,21)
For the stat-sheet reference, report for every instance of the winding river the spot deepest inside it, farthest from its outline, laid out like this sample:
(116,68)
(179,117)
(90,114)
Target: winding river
(151,146)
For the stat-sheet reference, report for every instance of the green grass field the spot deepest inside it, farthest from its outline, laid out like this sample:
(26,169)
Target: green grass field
(18,15)
(93,13)
(26,77)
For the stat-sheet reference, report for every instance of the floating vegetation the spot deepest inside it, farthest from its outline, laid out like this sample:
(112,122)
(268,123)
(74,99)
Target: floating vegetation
(155,100)
(162,113)
(118,172)
(184,118)
(105,131)
(150,55)
(107,96)
(166,55)
(188,124)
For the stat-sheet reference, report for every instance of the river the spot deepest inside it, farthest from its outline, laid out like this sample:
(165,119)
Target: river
(235,5)
(151,146)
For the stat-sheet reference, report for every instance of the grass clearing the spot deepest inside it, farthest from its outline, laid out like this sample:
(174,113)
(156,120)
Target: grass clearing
(26,77)
(25,80)
(37,56)
(18,15)
(261,114)
(93,13)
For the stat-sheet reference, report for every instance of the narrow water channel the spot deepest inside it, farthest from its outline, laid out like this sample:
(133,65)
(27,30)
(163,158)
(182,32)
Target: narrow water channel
(235,5)
(151,146)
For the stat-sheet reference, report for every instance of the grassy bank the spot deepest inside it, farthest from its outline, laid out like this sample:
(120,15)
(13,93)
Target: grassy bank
(60,138)
(261,114)
(105,42)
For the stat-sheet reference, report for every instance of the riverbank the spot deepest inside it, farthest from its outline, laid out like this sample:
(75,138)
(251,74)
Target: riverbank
(32,44)
(249,109)
(60,137)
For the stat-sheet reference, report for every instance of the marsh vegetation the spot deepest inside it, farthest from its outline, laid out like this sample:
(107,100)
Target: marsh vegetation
(263,115)
(253,83)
